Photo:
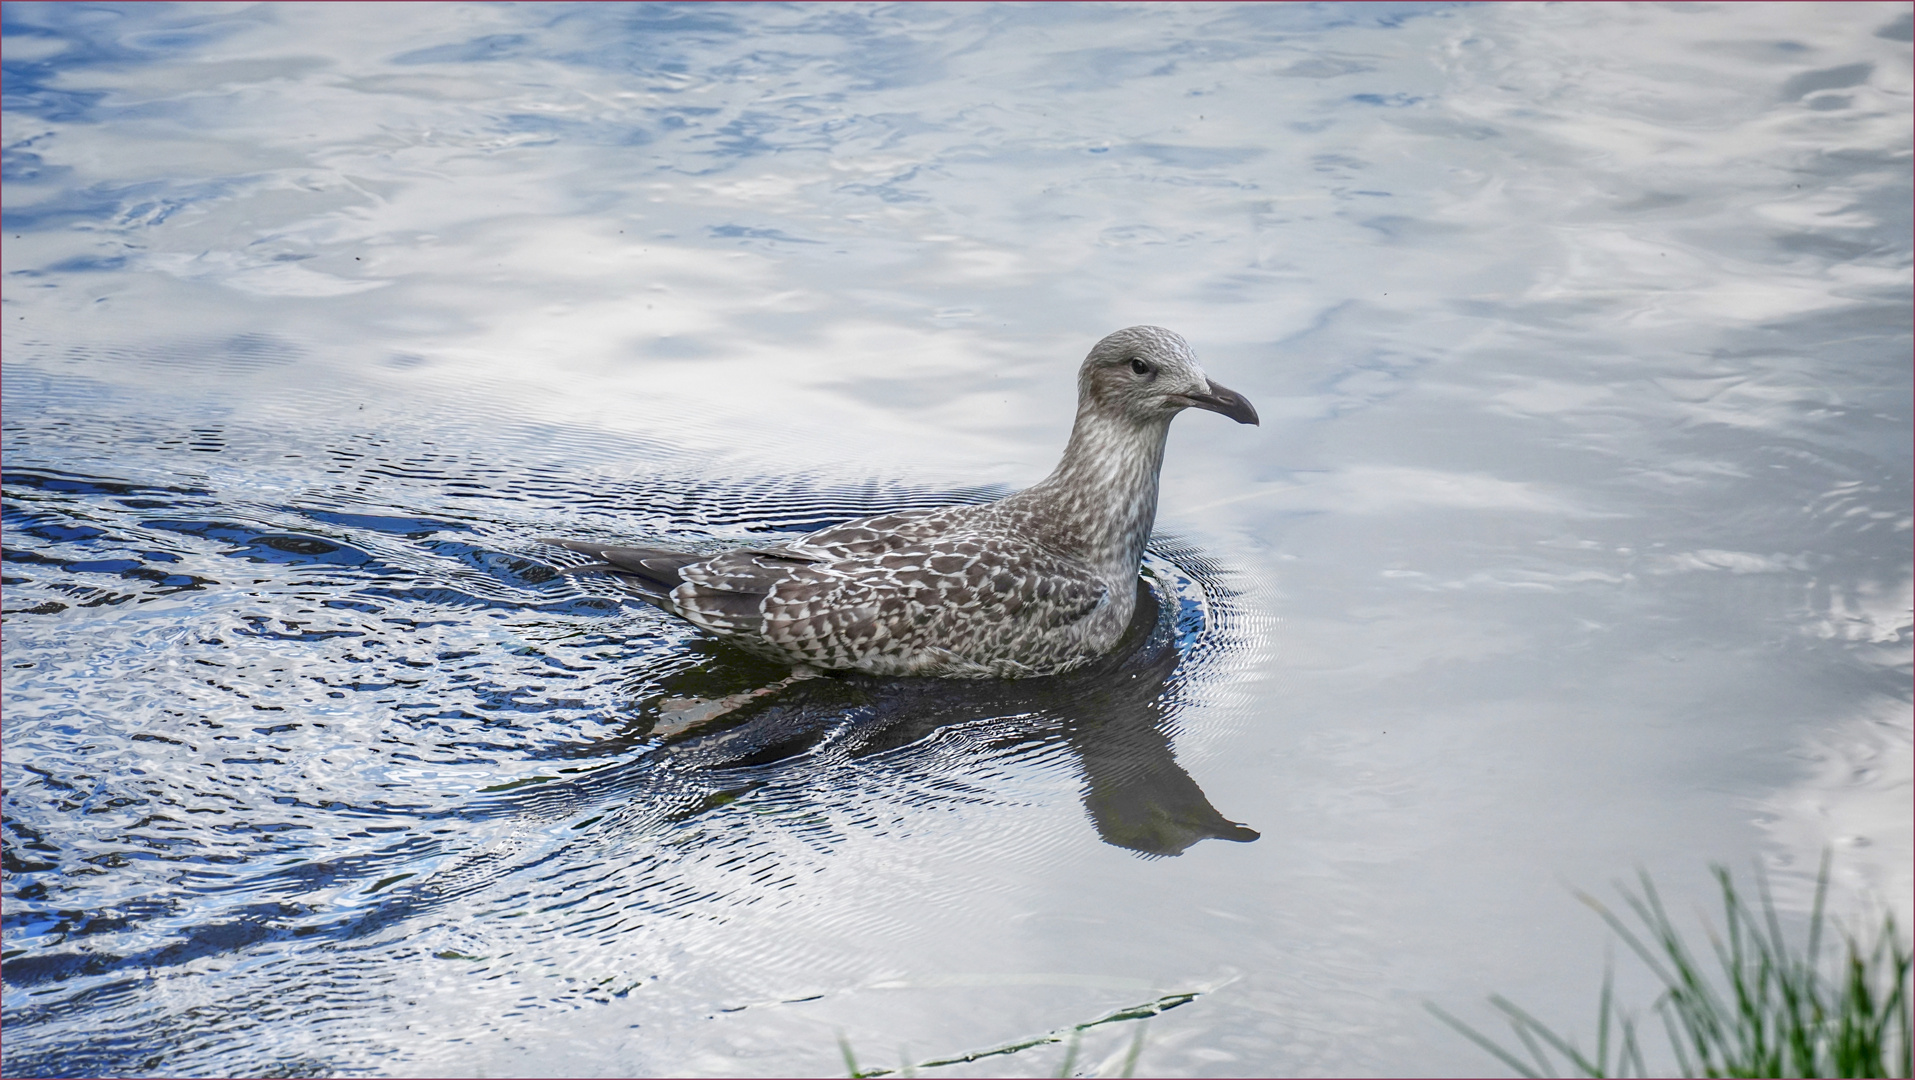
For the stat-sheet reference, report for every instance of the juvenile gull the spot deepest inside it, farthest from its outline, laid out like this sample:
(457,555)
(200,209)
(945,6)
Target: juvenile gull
(1036,583)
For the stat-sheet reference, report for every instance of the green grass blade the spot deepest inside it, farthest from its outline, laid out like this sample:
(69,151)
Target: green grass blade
(1521,1029)
(1561,1045)
(1683,1062)
(1482,1040)
(1070,1054)
(1603,1008)
(1631,1051)
(1136,1050)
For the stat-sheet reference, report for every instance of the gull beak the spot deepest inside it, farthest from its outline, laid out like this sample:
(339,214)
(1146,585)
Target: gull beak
(1222,399)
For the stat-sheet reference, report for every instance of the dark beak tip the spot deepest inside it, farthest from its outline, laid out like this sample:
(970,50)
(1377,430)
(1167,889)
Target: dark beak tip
(1222,399)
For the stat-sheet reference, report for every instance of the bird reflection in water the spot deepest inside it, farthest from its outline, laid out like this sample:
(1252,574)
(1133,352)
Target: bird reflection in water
(1113,714)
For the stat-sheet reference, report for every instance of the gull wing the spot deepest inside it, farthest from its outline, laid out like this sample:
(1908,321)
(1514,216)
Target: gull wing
(963,596)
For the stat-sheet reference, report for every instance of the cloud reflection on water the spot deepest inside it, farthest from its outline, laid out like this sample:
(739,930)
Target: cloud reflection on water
(1576,537)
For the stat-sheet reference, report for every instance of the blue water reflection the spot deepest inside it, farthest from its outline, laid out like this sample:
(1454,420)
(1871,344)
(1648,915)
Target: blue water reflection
(1575,538)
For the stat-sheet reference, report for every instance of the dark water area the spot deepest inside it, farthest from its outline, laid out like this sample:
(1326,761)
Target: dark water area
(1575,538)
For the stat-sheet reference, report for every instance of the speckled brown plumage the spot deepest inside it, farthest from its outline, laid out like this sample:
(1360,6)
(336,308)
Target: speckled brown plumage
(1038,582)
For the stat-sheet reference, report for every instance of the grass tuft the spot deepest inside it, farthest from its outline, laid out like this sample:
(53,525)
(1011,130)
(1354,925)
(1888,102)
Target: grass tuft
(1771,1010)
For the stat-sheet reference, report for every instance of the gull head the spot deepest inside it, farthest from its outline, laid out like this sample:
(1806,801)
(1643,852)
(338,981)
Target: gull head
(1146,375)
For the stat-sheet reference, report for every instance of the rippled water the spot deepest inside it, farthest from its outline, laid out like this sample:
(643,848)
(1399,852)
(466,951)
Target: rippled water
(1576,536)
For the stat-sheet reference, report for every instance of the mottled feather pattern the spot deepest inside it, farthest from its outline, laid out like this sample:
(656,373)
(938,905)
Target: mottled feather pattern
(900,592)
(1036,583)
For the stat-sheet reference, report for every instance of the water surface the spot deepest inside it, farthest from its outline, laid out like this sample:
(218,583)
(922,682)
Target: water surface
(1575,538)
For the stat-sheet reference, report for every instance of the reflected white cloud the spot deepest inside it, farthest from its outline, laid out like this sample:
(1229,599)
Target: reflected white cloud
(1395,490)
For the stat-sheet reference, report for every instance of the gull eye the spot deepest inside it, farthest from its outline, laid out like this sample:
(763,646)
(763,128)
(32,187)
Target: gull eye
(1140,367)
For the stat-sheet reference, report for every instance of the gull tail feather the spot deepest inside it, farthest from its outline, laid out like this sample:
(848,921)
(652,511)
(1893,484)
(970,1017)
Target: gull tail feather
(650,570)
